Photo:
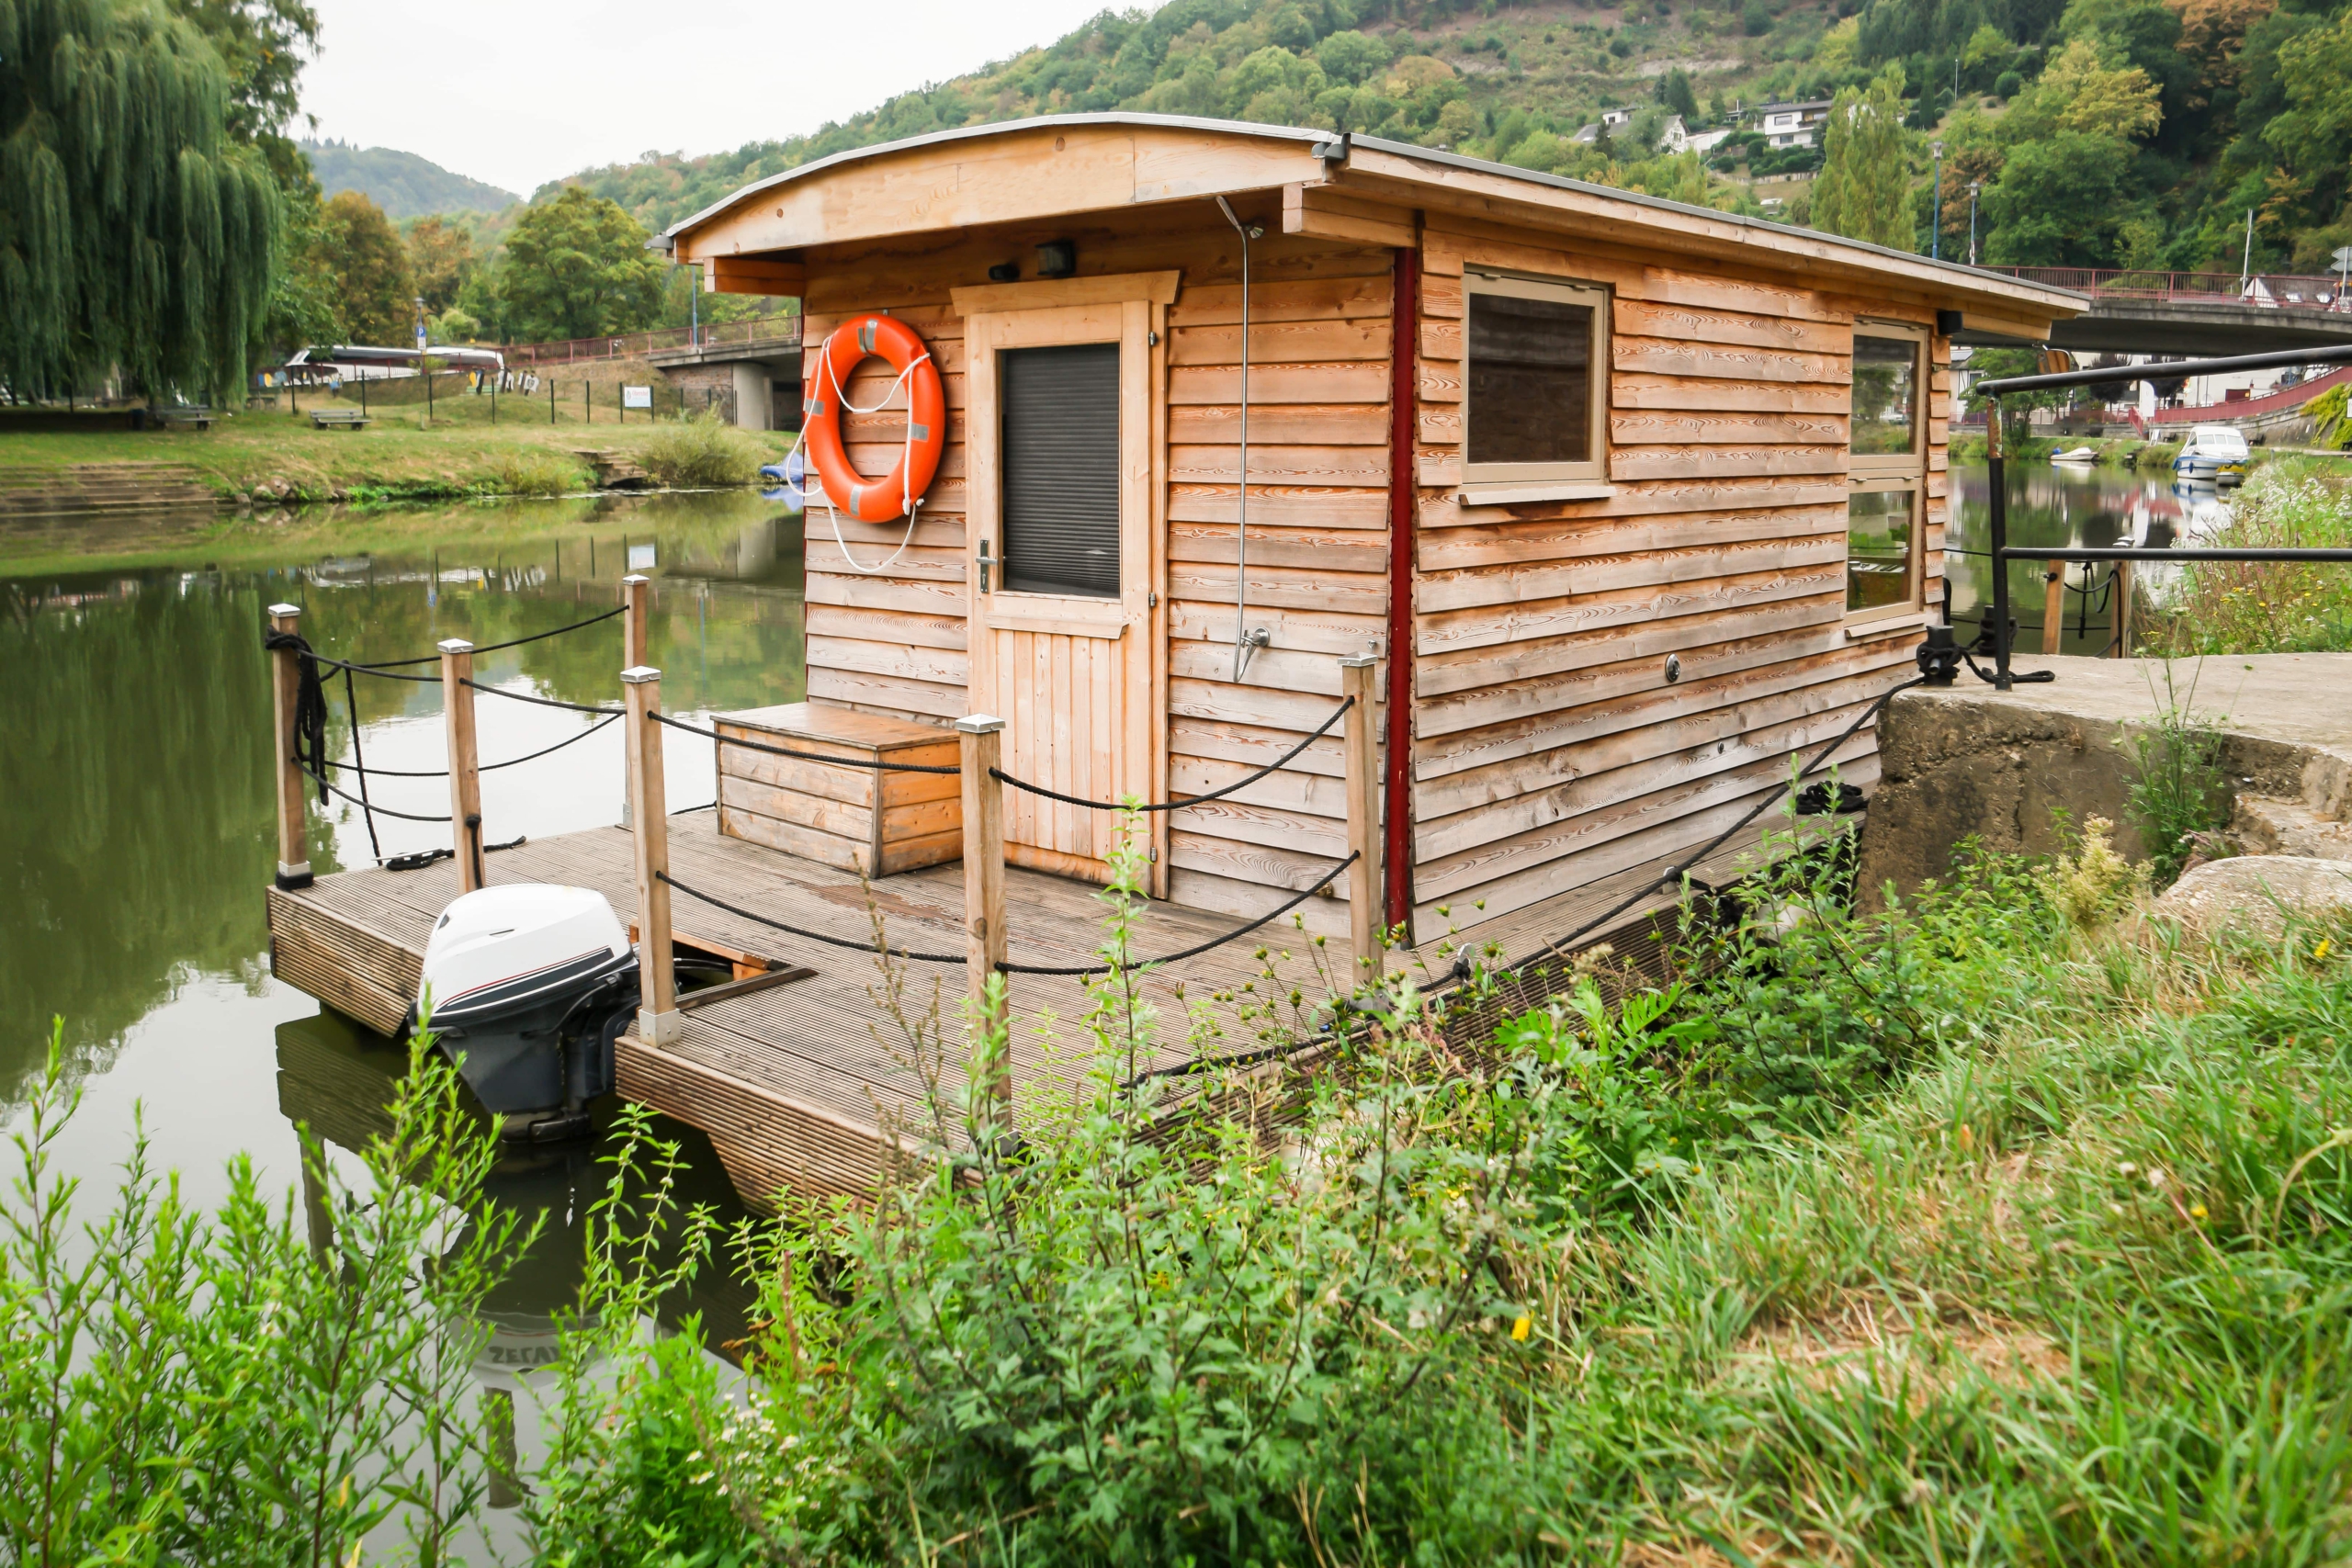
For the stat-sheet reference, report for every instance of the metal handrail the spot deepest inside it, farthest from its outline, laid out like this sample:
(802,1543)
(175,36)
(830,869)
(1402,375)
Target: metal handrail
(1997,478)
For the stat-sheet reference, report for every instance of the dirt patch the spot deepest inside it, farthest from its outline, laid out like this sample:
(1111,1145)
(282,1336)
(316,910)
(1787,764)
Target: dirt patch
(1911,1354)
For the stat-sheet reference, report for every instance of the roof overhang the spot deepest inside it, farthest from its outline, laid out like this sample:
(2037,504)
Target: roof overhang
(1063,166)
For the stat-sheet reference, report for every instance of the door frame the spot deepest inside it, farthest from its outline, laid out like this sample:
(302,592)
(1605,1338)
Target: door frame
(1130,311)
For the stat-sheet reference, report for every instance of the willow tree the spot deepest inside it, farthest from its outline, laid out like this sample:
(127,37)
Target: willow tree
(135,235)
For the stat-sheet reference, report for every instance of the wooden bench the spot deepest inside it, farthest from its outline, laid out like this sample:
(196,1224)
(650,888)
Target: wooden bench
(180,418)
(338,419)
(858,818)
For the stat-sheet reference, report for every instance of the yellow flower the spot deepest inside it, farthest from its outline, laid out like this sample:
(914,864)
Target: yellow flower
(2197,1210)
(2323,949)
(1519,1328)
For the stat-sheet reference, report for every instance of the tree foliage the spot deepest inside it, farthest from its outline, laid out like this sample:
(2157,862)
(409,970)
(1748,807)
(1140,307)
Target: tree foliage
(577,266)
(442,256)
(1864,189)
(375,286)
(135,233)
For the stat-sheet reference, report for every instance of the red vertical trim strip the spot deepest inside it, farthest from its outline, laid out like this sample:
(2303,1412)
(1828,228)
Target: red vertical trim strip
(1404,400)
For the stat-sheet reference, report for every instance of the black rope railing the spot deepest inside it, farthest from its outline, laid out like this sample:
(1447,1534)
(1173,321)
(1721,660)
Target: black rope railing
(357,766)
(1218,794)
(539,702)
(326,789)
(876,765)
(381,666)
(1194,952)
(717,903)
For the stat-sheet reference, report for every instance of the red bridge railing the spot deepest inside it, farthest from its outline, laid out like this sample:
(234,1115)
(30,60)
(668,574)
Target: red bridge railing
(2283,290)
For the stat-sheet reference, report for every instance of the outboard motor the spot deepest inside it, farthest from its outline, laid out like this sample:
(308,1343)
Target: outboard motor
(529,986)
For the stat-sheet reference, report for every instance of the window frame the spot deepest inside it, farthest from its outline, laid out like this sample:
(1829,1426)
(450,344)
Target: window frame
(1884,471)
(1578,291)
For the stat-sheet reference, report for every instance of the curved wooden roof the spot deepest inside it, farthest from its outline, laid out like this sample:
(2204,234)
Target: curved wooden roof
(1064,166)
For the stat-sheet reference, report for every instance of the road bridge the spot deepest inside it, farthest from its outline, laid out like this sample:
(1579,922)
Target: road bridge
(763,373)
(2193,313)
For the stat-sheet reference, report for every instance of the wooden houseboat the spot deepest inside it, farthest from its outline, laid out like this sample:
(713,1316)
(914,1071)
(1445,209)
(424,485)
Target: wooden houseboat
(1630,499)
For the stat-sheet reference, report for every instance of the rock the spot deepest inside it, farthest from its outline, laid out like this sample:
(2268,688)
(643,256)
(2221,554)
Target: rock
(2244,896)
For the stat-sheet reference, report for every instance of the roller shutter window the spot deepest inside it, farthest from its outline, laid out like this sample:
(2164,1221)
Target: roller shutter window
(1060,436)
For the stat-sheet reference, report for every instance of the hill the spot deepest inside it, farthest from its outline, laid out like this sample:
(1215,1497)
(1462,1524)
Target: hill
(2096,132)
(402,184)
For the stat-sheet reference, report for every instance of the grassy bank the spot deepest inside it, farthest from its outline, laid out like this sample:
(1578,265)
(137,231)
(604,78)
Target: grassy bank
(266,454)
(2004,1227)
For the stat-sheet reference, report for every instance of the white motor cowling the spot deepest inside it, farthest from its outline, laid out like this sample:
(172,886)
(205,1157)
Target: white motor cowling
(523,986)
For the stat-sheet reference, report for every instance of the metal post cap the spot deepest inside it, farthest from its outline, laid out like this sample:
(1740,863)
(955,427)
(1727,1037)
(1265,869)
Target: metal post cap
(1358,660)
(455,645)
(978,724)
(637,577)
(286,609)
(640,675)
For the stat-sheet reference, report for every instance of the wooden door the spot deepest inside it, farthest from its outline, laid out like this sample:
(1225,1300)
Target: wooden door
(1063,638)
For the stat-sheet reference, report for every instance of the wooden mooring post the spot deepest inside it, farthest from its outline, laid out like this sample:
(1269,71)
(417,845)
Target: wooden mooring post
(2054,606)
(465,761)
(657,1010)
(1360,742)
(285,686)
(637,593)
(2122,609)
(984,945)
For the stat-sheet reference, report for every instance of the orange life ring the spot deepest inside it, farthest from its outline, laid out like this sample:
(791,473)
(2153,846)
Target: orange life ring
(846,490)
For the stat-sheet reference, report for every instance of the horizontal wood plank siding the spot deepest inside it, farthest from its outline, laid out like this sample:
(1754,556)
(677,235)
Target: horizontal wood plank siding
(1550,748)
(896,640)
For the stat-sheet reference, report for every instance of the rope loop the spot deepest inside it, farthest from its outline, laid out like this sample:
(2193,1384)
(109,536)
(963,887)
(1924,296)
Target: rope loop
(1218,794)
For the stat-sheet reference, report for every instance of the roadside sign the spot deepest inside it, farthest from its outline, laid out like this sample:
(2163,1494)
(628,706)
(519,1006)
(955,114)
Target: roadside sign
(637,397)
(2342,258)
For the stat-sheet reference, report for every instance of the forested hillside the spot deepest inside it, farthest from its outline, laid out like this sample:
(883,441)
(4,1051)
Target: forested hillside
(402,184)
(2102,132)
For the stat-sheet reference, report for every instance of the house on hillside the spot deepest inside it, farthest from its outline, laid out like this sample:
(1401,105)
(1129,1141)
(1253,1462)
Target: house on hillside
(1793,125)
(1631,501)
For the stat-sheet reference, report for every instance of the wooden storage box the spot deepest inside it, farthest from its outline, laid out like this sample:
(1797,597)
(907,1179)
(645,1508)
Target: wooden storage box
(856,818)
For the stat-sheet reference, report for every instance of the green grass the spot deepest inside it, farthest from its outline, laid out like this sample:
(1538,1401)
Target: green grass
(2001,1228)
(399,457)
(2270,606)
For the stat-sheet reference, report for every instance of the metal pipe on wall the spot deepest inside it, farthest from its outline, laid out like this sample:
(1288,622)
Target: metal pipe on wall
(1244,637)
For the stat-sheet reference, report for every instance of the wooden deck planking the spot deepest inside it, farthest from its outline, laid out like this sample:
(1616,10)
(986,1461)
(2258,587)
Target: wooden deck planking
(801,1083)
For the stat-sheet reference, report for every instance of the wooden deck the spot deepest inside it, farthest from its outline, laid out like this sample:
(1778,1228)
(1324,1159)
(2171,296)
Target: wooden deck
(805,1084)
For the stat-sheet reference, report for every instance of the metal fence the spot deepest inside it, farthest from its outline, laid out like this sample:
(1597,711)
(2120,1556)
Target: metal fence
(782,330)
(2308,291)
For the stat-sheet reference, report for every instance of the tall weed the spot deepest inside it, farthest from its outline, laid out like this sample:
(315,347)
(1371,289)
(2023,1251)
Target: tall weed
(2269,607)
(699,453)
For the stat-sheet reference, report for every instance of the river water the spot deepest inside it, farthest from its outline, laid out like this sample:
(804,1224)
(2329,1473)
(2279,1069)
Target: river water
(139,830)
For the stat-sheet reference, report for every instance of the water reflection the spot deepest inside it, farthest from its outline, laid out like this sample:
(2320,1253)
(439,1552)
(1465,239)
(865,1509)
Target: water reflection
(2072,504)
(141,829)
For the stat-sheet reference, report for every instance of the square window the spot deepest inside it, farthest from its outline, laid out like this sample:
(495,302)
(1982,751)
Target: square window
(1536,357)
(1881,550)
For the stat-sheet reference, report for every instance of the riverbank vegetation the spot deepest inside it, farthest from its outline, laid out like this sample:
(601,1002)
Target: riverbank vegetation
(2000,1226)
(266,457)
(2270,606)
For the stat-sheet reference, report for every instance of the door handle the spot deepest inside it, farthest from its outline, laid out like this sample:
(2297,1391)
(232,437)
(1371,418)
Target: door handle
(987,561)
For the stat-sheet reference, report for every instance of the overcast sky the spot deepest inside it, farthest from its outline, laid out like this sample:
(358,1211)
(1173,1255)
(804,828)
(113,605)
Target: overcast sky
(519,92)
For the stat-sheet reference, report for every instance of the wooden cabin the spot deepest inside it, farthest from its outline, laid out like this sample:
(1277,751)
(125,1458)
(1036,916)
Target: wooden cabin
(1631,498)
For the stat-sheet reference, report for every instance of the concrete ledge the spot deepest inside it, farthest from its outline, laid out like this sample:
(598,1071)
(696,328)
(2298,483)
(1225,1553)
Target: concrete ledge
(1966,760)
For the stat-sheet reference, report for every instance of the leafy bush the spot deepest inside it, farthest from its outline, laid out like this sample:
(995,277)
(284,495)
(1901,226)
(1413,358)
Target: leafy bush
(2330,417)
(245,1387)
(2269,606)
(535,470)
(701,451)
(2008,85)
(2156,456)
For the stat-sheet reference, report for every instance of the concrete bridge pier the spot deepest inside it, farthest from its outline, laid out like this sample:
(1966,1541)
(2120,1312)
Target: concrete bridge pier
(760,378)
